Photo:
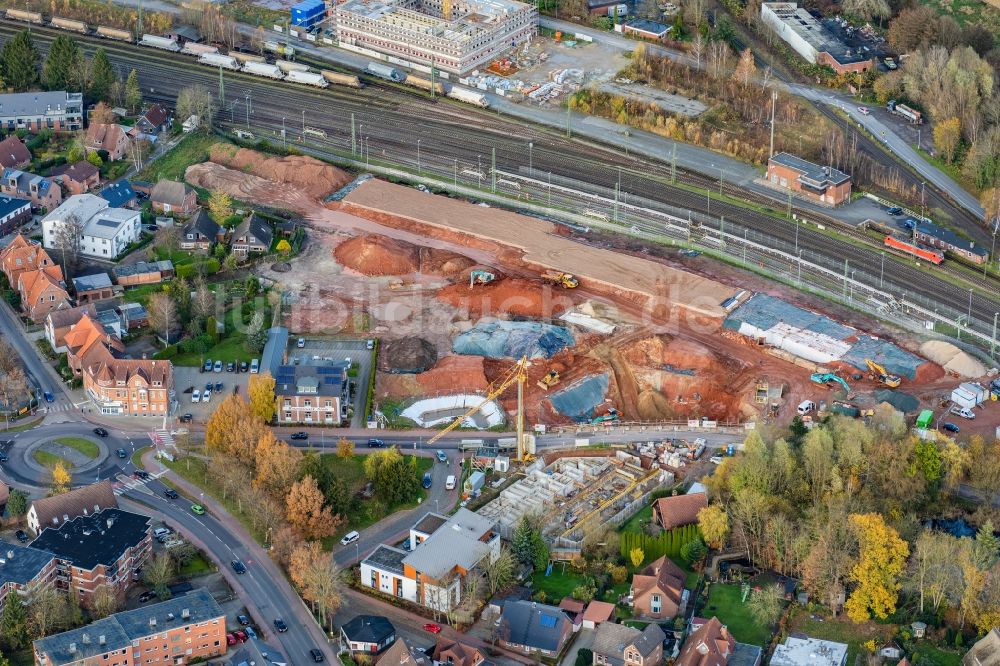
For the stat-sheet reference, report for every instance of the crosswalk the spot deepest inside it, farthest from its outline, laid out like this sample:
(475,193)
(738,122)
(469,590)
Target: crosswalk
(161,437)
(60,407)
(124,483)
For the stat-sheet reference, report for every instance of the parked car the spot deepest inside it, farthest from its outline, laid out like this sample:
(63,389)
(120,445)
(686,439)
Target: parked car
(428,480)
(250,632)
(441,456)
(122,453)
(198,509)
(950,427)
(894,210)
(316,655)
(370,344)
(243,620)
(208,386)
(196,396)
(300,435)
(350,537)
(407,545)
(218,366)
(280,625)
(218,387)
(3,456)
(208,365)
(100,432)
(206,396)
(433,628)
(170,493)
(230,367)
(22,536)
(240,636)
(146,596)
(230,639)
(238,567)
(244,366)
(300,343)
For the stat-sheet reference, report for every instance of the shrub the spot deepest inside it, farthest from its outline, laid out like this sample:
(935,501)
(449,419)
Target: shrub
(185,270)
(211,265)
(166,353)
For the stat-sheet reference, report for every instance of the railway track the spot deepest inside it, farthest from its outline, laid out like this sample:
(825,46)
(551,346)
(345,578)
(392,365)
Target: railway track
(405,128)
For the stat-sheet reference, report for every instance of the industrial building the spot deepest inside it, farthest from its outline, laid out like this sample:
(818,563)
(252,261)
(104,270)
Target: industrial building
(308,13)
(811,40)
(455,36)
(822,184)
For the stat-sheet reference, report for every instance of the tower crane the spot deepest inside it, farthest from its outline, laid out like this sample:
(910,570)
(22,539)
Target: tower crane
(518,374)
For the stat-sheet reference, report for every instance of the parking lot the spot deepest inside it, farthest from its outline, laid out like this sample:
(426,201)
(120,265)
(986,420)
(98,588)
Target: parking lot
(186,380)
(338,350)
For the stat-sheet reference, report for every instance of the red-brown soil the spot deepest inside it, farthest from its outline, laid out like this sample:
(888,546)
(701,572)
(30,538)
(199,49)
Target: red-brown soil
(515,296)
(315,178)
(452,374)
(380,255)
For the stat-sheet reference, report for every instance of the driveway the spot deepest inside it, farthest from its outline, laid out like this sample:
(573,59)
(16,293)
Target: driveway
(584,640)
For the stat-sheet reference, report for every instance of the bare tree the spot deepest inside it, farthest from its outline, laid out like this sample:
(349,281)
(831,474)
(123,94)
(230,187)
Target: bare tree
(105,601)
(196,101)
(66,238)
(163,315)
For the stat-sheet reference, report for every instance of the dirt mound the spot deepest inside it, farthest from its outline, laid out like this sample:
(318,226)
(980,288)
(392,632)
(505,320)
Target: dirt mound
(407,355)
(652,406)
(247,187)
(452,374)
(514,296)
(952,359)
(308,174)
(378,255)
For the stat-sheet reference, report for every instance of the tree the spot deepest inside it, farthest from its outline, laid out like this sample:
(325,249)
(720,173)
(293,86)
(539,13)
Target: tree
(14,622)
(714,525)
(306,512)
(158,573)
(220,206)
(60,478)
(203,303)
(106,601)
(876,574)
(46,611)
(67,241)
(283,246)
(232,429)
(20,61)
(637,556)
(13,389)
(133,93)
(163,315)
(17,504)
(102,75)
(500,572)
(947,135)
(746,69)
(345,448)
(256,333)
(261,393)
(394,478)
(94,158)
(313,572)
(58,72)
(868,9)
(935,570)
(694,551)
(765,604)
(585,591)
(196,100)
(277,465)
(522,545)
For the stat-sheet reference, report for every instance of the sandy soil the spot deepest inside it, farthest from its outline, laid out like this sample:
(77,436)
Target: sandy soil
(513,296)
(374,254)
(307,174)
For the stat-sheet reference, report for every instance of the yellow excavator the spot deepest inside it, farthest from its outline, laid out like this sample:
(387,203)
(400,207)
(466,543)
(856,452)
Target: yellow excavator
(879,374)
(518,374)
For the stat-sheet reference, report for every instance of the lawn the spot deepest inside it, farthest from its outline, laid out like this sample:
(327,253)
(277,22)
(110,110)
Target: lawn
(637,522)
(142,293)
(841,630)
(725,602)
(192,149)
(231,346)
(560,583)
(197,566)
(50,460)
(932,656)
(84,446)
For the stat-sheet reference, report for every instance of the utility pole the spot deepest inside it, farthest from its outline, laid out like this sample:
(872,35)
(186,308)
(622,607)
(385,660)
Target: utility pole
(673,165)
(569,128)
(354,137)
(303,123)
(774,99)
(222,89)
(845,278)
(722,231)
(284,143)
(993,340)
(138,23)
(493,169)
(433,78)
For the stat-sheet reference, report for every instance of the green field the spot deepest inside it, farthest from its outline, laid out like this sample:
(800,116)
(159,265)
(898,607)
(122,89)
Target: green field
(231,346)
(192,149)
(638,521)
(84,446)
(50,460)
(557,584)
(196,567)
(725,602)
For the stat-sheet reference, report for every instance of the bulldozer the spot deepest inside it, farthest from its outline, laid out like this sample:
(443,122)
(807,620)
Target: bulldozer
(877,373)
(564,280)
(549,380)
(480,277)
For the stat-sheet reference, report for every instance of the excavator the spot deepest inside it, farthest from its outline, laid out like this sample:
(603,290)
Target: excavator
(564,280)
(878,373)
(548,381)
(826,377)
(611,416)
(516,375)
(480,277)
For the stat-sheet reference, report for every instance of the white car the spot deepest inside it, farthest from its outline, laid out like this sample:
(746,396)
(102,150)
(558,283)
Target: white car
(863,110)
(350,537)
(196,396)
(715,460)
(206,396)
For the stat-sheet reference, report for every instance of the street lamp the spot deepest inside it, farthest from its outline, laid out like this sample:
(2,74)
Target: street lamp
(531,169)
(970,306)
(923,210)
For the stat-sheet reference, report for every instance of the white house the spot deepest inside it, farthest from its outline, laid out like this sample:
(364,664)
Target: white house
(105,232)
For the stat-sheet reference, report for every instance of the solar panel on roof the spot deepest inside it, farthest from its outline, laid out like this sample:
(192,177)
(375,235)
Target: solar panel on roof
(548,621)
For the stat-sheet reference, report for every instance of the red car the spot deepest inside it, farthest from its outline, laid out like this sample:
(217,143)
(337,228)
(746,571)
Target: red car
(240,636)
(433,628)
(230,639)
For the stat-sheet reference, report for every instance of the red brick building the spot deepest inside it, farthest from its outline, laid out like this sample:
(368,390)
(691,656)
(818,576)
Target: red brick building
(23,571)
(128,386)
(78,178)
(42,291)
(822,184)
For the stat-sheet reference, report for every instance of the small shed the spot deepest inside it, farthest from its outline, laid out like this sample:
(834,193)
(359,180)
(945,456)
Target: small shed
(475,482)
(926,419)
(596,613)
(919,629)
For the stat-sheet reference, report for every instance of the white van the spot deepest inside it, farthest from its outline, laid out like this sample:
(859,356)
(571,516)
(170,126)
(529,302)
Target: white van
(254,366)
(350,537)
(964,412)
(449,483)
(805,407)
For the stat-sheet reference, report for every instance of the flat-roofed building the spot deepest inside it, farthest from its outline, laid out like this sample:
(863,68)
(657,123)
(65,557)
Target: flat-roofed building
(822,184)
(811,39)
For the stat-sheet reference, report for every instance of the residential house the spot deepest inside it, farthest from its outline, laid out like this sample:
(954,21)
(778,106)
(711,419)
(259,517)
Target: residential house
(454,653)
(658,592)
(143,272)
(155,119)
(401,654)
(711,644)
(56,510)
(678,510)
(890,650)
(24,570)
(13,213)
(129,387)
(60,322)
(57,109)
(200,232)
(822,184)
(104,232)
(96,287)
(77,178)
(22,255)
(255,651)
(312,392)
(13,153)
(43,193)
(597,613)
(252,236)
(986,651)
(119,195)
(89,342)
(42,291)
(179,631)
(109,137)
(433,573)
(800,650)
(367,634)
(170,196)
(133,316)
(618,645)
(936,236)
(104,548)
(527,626)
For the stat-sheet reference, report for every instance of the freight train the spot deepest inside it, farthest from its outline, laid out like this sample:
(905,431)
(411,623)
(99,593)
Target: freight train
(256,65)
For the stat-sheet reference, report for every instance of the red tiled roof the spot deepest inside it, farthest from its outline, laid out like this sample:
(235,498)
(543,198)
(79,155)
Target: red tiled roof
(679,510)
(13,153)
(711,645)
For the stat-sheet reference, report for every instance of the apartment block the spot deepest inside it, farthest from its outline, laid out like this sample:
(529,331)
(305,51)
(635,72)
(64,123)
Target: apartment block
(57,110)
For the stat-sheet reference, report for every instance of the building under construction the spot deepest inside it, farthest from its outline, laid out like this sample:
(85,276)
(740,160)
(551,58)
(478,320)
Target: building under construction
(576,496)
(456,36)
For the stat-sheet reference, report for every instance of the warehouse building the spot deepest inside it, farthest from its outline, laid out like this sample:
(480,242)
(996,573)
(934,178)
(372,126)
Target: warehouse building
(822,184)
(455,36)
(57,110)
(308,13)
(811,40)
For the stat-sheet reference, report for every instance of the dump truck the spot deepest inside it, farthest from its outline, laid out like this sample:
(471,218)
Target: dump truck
(565,280)
(911,115)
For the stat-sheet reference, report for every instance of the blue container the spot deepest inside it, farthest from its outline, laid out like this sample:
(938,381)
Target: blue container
(308,12)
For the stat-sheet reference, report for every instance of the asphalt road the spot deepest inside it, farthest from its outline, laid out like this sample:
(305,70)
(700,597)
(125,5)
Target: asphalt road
(44,378)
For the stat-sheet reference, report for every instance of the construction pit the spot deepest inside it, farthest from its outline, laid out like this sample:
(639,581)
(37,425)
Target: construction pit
(576,496)
(640,340)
